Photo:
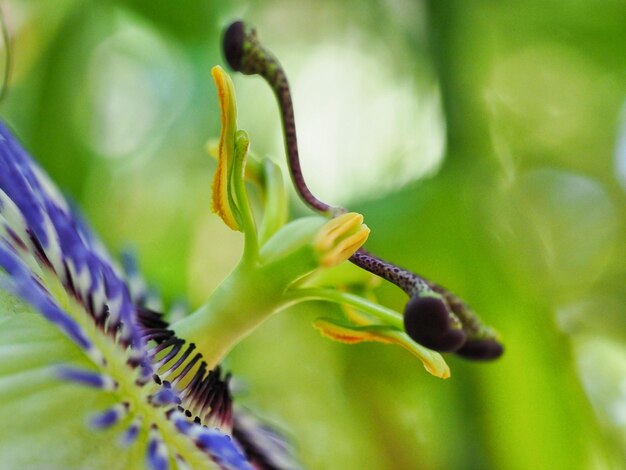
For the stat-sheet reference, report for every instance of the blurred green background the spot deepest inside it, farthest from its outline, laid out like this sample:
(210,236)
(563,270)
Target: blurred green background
(484,141)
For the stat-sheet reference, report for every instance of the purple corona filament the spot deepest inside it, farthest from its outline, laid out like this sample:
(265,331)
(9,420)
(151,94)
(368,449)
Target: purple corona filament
(157,457)
(110,417)
(86,378)
(131,433)
(42,236)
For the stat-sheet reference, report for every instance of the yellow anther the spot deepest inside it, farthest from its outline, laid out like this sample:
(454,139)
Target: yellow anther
(433,361)
(346,247)
(340,238)
(222,205)
(335,228)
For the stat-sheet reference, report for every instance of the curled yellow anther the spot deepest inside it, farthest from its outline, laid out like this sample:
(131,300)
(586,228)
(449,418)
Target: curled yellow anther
(352,334)
(222,201)
(340,238)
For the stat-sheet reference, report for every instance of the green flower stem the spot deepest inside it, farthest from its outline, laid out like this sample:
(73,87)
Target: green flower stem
(248,297)
(385,315)
(237,307)
(251,246)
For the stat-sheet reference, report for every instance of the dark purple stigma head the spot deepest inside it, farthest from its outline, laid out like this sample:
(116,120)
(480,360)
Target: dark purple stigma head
(481,349)
(428,322)
(233,41)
